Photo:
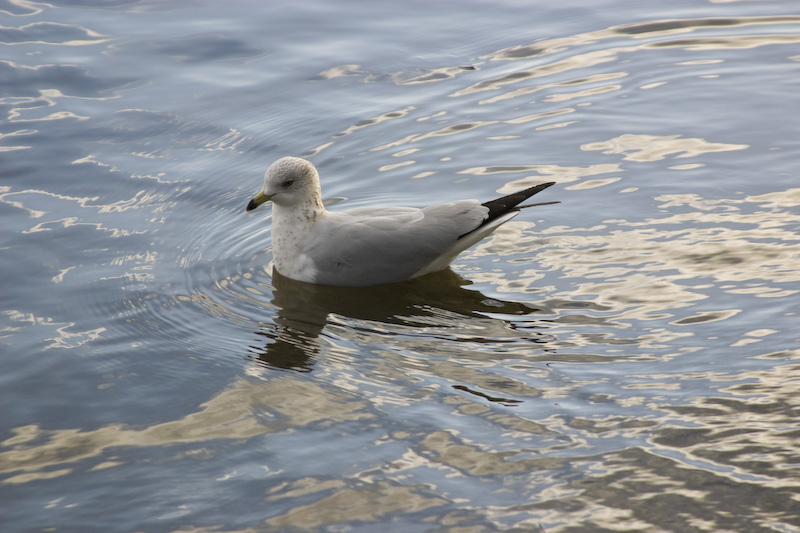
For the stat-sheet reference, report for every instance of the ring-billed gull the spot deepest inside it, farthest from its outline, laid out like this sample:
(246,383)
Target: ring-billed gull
(370,245)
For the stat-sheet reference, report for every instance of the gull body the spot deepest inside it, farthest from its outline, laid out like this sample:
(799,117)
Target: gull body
(369,245)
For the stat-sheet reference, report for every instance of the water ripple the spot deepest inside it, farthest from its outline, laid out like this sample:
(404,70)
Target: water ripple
(49,33)
(626,360)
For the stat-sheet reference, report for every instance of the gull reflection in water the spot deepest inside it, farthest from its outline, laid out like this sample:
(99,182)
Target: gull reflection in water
(295,336)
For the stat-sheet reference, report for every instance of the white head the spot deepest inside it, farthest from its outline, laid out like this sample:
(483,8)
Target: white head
(289,181)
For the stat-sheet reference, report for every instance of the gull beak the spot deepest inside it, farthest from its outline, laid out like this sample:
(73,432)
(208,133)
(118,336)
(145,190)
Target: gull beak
(257,200)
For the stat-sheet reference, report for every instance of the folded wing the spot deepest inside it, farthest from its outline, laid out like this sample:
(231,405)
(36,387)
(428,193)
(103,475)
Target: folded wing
(371,246)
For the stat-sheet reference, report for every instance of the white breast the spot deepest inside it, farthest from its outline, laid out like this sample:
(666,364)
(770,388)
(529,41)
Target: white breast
(292,231)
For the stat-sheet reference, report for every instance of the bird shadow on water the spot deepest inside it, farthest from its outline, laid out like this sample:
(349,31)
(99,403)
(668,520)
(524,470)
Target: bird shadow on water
(294,338)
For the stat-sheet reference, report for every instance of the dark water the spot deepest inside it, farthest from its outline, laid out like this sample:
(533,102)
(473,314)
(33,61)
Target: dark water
(626,360)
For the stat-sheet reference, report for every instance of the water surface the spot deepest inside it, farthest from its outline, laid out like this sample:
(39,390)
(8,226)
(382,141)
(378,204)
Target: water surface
(625,360)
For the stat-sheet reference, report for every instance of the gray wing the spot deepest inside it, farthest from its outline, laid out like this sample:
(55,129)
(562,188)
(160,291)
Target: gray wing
(371,246)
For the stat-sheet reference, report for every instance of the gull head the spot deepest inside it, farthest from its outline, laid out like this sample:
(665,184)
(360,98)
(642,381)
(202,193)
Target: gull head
(289,181)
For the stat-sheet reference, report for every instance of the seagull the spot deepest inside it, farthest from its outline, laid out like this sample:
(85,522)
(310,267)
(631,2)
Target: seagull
(370,245)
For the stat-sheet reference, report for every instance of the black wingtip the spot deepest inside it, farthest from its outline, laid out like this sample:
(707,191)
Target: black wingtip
(502,205)
(537,204)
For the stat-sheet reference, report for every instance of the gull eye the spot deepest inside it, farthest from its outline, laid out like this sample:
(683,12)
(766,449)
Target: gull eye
(288,183)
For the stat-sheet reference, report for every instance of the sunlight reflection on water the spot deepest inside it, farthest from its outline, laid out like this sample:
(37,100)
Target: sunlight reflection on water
(623,360)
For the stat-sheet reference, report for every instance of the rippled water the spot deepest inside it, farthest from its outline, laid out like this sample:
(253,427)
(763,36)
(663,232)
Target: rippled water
(625,360)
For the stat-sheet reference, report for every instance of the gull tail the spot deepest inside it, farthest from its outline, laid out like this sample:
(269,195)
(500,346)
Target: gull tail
(501,210)
(504,209)
(500,206)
